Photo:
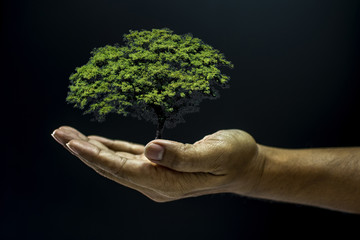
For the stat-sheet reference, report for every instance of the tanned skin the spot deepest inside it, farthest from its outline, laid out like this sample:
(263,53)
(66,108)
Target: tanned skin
(228,161)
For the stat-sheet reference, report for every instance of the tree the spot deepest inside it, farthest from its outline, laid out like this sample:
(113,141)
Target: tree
(157,75)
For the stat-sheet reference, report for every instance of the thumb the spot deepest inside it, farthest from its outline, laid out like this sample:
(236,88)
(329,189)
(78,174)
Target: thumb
(200,157)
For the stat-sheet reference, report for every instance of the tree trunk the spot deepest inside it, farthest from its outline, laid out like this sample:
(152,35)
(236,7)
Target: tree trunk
(160,127)
(161,120)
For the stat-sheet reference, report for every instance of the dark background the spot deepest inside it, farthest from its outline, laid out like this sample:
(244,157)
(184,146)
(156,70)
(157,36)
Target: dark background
(295,85)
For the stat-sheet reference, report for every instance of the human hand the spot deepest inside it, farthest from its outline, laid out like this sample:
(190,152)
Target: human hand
(164,170)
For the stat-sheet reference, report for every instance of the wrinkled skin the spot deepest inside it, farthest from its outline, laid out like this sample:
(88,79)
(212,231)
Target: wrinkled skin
(226,161)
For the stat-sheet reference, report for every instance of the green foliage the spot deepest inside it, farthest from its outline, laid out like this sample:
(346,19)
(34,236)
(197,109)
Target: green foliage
(156,75)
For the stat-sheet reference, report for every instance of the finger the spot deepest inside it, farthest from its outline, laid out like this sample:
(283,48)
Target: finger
(118,145)
(123,170)
(144,174)
(99,144)
(103,147)
(106,160)
(200,157)
(64,134)
(146,191)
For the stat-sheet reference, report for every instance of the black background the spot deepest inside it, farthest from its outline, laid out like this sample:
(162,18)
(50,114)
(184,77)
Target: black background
(295,85)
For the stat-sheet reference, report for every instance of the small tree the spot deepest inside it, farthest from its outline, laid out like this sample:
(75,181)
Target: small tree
(157,76)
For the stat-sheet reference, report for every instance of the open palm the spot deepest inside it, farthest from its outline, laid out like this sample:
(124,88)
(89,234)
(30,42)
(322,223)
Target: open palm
(125,163)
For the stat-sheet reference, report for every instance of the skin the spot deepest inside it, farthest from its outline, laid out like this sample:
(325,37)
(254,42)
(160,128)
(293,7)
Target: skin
(228,161)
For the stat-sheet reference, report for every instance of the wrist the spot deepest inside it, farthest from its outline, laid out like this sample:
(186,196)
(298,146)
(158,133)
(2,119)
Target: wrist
(265,172)
(249,177)
(277,173)
(287,175)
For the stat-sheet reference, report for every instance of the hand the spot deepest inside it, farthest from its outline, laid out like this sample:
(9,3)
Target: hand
(164,170)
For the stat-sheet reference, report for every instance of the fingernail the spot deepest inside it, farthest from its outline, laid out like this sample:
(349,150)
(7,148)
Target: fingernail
(154,152)
(71,149)
(56,139)
(53,134)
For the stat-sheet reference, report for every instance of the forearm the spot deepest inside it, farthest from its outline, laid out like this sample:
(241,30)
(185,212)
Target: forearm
(328,178)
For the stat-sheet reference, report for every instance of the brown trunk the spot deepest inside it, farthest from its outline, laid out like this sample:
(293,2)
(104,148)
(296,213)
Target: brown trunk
(160,128)
(161,121)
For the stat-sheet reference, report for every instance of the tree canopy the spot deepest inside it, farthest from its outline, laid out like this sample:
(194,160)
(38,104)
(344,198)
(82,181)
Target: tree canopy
(156,75)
